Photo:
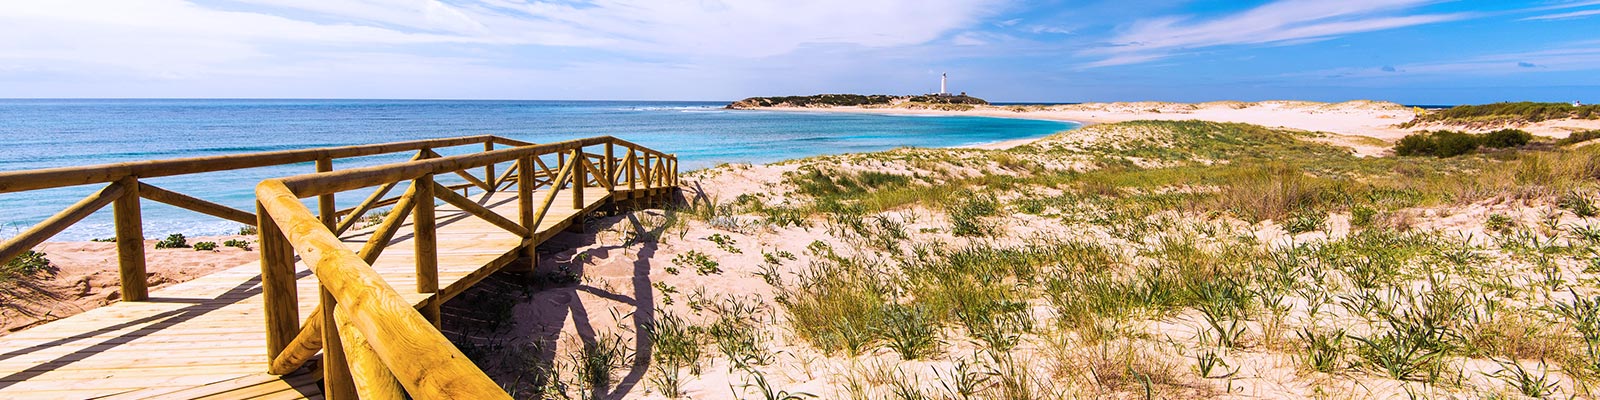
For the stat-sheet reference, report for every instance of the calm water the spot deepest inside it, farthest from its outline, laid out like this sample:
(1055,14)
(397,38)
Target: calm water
(55,133)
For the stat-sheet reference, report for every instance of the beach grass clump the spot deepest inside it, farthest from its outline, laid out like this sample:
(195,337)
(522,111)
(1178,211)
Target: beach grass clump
(675,343)
(737,333)
(205,246)
(1323,351)
(595,366)
(28,266)
(836,303)
(968,213)
(910,331)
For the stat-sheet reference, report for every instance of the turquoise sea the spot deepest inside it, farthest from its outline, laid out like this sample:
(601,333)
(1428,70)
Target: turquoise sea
(53,133)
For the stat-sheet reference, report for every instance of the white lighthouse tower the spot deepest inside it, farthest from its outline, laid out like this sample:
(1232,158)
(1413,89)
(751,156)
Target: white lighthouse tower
(942,78)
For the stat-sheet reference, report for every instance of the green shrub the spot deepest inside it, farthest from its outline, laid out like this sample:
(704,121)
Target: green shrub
(1451,144)
(241,244)
(1505,138)
(205,246)
(173,241)
(1579,137)
(1445,144)
(1508,112)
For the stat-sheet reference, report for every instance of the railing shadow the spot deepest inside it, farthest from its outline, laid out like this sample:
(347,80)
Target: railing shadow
(200,306)
(556,305)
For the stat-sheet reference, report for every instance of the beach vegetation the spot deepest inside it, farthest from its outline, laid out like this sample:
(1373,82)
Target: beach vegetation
(1149,259)
(28,266)
(237,243)
(173,241)
(1502,113)
(596,365)
(1579,137)
(205,246)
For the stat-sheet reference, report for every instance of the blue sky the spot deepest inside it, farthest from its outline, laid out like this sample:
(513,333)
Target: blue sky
(1409,51)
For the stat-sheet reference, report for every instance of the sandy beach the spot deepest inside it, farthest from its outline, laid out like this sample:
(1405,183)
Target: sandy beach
(1372,119)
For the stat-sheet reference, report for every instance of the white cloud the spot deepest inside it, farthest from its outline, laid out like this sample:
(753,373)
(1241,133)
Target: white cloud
(740,28)
(214,43)
(1581,56)
(1280,22)
(1568,15)
(430,15)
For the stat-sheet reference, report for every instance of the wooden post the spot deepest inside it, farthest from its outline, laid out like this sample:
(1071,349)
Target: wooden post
(633,171)
(648,183)
(579,178)
(337,383)
(278,295)
(610,168)
(430,312)
(488,170)
(326,208)
(130,242)
(426,237)
(525,202)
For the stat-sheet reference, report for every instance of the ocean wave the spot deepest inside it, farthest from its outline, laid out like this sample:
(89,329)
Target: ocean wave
(153,229)
(670,108)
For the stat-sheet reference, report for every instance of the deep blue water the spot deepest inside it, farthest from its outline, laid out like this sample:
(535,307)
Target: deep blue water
(53,133)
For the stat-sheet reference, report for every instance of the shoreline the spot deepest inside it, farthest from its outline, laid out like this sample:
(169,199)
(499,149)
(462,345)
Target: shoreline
(995,145)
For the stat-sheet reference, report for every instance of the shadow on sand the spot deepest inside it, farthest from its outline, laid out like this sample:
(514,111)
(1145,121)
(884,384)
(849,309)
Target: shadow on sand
(512,322)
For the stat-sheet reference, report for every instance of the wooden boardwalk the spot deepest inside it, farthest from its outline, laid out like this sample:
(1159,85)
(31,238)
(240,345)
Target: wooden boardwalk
(205,338)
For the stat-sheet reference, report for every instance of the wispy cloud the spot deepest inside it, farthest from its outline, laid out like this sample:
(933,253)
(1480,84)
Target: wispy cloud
(738,28)
(185,39)
(1281,22)
(1579,56)
(1566,15)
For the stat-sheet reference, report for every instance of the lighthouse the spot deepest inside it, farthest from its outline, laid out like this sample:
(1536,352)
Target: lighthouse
(942,78)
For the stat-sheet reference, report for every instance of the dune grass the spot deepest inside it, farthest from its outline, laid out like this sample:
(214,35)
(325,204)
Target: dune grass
(1429,300)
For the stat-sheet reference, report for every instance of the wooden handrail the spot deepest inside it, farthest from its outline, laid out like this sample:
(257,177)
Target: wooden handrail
(16,181)
(315,184)
(419,356)
(25,241)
